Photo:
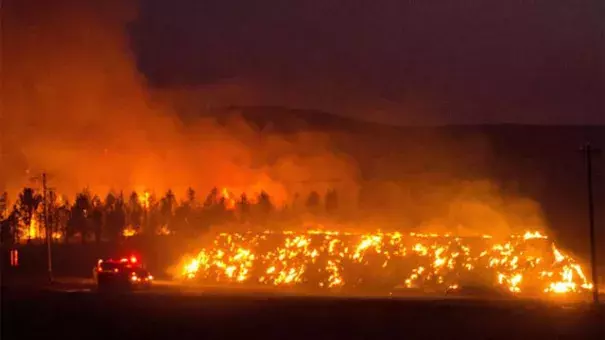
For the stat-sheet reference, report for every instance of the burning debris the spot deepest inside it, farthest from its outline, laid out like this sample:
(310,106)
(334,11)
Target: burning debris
(527,263)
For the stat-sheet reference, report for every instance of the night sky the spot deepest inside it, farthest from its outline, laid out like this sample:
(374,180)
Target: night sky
(395,61)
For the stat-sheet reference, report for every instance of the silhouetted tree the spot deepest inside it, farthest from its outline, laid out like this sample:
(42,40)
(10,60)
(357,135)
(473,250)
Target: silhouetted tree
(167,206)
(5,230)
(213,198)
(191,198)
(115,218)
(9,225)
(4,205)
(313,202)
(262,209)
(110,201)
(96,221)
(28,203)
(264,202)
(331,201)
(243,208)
(78,221)
(134,211)
(62,216)
(213,211)
(151,215)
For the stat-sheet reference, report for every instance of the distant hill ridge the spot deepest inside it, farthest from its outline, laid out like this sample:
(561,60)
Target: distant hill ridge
(286,119)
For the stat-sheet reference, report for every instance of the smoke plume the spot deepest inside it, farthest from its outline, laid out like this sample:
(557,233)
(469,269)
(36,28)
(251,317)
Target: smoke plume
(75,105)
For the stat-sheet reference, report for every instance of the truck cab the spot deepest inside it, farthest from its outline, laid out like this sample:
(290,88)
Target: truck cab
(121,274)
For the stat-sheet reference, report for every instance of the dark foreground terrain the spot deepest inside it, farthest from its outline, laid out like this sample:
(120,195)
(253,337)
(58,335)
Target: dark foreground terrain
(67,314)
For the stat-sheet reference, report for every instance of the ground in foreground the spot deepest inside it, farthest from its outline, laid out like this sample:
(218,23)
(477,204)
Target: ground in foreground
(63,315)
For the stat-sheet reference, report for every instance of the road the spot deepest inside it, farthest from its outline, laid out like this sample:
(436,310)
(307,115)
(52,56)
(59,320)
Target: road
(66,312)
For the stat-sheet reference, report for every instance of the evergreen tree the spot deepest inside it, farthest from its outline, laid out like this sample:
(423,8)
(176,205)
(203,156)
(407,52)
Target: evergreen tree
(213,198)
(4,205)
(134,211)
(78,222)
(263,209)
(331,201)
(213,212)
(9,228)
(313,202)
(96,218)
(62,217)
(191,198)
(167,207)
(243,208)
(115,220)
(28,203)
(110,201)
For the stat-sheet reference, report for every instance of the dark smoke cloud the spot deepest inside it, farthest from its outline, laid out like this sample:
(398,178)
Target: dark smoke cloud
(402,62)
(76,106)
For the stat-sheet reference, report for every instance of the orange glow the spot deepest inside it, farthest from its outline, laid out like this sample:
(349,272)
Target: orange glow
(144,200)
(335,259)
(129,231)
(230,201)
(32,231)
(164,230)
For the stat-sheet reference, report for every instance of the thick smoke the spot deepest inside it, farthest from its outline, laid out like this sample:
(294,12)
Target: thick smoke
(75,105)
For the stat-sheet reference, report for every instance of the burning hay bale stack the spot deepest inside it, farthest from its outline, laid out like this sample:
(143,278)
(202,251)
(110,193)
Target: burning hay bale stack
(522,264)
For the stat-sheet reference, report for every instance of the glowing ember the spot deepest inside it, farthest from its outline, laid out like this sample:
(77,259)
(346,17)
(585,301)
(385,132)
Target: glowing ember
(32,231)
(129,231)
(144,200)
(163,230)
(523,264)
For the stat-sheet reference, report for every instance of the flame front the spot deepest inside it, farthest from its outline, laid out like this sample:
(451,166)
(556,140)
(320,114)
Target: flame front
(129,231)
(524,263)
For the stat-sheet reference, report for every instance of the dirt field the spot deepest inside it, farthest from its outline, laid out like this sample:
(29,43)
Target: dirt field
(64,313)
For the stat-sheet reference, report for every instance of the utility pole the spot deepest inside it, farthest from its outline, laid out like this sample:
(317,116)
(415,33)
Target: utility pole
(44,178)
(47,228)
(588,152)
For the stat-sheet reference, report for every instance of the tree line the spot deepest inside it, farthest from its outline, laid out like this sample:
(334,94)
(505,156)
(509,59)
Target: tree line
(89,218)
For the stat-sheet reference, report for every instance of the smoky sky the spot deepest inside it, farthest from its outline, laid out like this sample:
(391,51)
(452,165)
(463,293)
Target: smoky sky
(488,61)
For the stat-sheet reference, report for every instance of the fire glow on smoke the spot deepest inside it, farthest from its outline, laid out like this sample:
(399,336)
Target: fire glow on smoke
(323,259)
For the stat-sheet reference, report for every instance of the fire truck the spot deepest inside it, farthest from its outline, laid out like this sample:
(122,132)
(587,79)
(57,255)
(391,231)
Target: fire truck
(122,274)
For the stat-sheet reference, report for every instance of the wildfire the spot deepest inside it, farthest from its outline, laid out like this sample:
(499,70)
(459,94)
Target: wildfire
(523,264)
(164,230)
(144,200)
(34,227)
(228,198)
(129,231)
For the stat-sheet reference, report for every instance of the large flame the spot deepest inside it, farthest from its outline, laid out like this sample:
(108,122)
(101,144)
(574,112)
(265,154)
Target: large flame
(522,264)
